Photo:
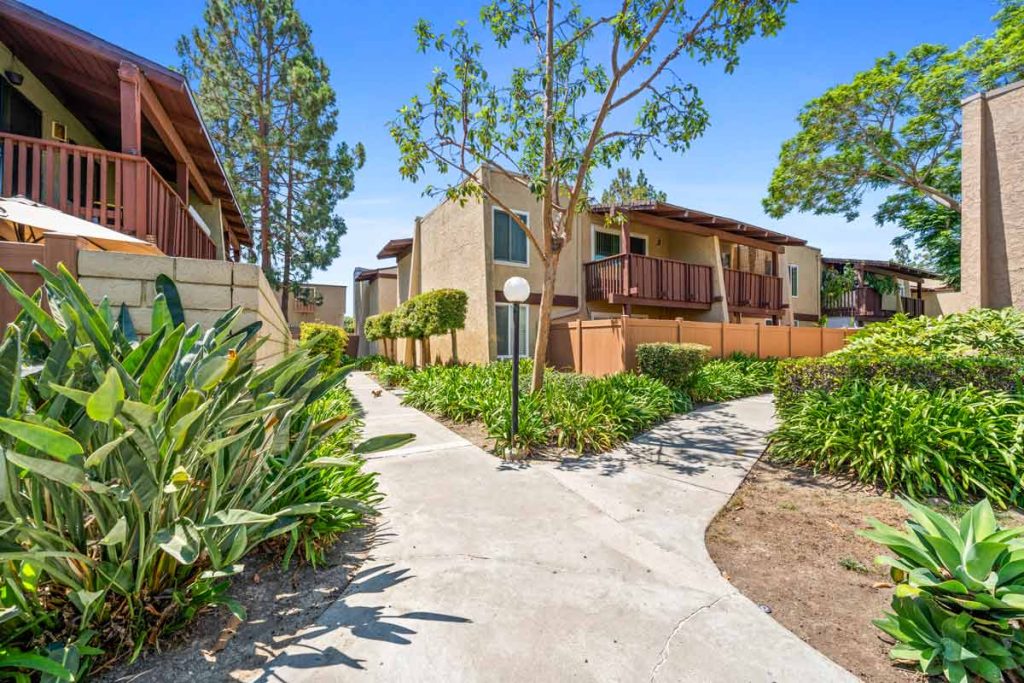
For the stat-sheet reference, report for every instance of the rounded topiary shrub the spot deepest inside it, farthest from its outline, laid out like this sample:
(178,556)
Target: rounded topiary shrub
(328,340)
(674,364)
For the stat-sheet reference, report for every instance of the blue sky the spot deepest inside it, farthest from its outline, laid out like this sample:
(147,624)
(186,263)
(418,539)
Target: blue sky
(375,68)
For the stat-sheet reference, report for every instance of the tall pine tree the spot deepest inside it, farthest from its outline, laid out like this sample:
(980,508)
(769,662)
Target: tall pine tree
(272,115)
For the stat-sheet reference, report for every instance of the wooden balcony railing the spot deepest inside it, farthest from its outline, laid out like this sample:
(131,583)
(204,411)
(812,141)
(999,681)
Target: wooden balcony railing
(651,279)
(120,191)
(751,290)
(865,302)
(912,307)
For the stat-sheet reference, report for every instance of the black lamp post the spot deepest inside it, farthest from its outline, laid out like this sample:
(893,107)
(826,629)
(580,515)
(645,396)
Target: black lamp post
(516,290)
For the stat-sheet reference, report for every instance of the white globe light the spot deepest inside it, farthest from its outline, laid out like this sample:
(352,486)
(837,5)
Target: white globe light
(516,289)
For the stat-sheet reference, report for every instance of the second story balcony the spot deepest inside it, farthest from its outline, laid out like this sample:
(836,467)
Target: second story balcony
(754,293)
(122,192)
(867,304)
(645,280)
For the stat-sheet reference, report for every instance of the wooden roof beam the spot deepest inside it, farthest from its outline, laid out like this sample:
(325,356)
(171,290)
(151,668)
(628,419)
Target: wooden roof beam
(161,122)
(696,229)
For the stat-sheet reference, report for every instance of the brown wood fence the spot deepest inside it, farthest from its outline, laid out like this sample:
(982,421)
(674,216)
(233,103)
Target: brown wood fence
(603,347)
(16,259)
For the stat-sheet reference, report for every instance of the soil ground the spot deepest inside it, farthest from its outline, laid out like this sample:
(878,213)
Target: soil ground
(788,540)
(279,603)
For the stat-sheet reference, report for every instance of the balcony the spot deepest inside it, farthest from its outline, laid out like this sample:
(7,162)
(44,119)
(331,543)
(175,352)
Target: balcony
(753,293)
(648,281)
(867,304)
(122,192)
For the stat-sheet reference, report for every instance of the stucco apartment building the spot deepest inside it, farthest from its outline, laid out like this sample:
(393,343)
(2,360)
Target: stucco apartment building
(316,303)
(865,304)
(992,249)
(373,291)
(681,263)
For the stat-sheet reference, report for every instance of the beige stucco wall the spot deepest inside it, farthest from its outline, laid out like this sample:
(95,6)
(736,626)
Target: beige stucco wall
(207,288)
(331,310)
(51,108)
(370,297)
(808,299)
(992,250)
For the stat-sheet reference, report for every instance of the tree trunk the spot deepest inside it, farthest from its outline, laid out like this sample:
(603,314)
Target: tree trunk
(455,349)
(547,298)
(286,269)
(427,358)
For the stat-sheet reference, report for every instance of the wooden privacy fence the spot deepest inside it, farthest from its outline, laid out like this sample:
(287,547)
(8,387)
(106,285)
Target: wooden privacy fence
(16,259)
(603,347)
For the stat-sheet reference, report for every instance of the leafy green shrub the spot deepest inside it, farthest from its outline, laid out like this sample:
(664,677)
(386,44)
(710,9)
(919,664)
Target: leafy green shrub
(392,375)
(796,376)
(959,598)
(380,326)
(329,340)
(571,411)
(674,364)
(981,331)
(137,475)
(958,443)
(732,378)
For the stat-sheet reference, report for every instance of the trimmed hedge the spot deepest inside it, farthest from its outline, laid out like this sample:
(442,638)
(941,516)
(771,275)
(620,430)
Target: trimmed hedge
(322,338)
(932,373)
(674,364)
(380,326)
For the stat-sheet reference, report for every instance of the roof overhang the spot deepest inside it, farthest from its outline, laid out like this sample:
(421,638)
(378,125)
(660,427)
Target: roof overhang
(891,267)
(372,274)
(81,70)
(663,211)
(396,248)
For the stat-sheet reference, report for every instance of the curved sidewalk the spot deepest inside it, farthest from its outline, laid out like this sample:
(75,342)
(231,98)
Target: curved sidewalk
(583,570)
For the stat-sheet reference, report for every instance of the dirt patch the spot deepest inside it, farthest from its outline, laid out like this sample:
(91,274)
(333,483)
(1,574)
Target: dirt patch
(279,604)
(788,540)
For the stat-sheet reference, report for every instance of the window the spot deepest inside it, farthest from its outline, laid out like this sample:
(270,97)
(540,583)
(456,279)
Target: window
(607,243)
(794,280)
(510,244)
(503,324)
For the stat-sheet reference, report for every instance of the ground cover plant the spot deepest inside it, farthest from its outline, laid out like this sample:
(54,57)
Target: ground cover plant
(959,596)
(926,406)
(576,412)
(136,475)
(733,377)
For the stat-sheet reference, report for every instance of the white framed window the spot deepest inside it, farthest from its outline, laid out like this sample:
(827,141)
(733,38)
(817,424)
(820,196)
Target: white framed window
(903,287)
(503,328)
(510,242)
(605,243)
(794,281)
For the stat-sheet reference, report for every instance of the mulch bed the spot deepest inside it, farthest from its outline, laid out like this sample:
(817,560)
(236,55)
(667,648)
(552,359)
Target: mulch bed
(279,603)
(788,540)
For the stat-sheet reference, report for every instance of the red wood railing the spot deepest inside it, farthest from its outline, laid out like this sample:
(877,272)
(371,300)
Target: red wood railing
(119,191)
(912,307)
(650,278)
(751,290)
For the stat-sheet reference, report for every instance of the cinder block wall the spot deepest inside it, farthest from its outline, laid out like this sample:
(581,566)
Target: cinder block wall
(207,289)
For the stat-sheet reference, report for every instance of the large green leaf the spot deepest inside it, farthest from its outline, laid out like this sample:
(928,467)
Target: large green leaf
(106,401)
(34,310)
(166,287)
(44,439)
(34,662)
(10,374)
(127,327)
(180,541)
(226,518)
(60,472)
(386,442)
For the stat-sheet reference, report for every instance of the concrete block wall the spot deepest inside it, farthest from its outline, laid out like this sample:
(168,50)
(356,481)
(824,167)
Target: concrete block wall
(208,289)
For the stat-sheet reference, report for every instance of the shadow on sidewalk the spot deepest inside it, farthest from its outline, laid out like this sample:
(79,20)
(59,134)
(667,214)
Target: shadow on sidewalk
(362,622)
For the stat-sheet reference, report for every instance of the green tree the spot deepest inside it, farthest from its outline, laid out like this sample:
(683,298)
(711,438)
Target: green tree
(896,128)
(314,178)
(589,86)
(623,190)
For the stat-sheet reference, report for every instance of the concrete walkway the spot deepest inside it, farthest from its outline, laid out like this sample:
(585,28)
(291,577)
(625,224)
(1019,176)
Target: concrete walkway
(586,570)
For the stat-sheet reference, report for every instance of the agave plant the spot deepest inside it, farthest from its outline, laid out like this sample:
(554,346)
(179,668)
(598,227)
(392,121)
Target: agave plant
(959,597)
(136,475)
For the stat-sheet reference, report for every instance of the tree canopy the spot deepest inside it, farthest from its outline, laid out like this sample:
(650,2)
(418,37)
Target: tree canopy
(589,85)
(896,128)
(272,115)
(623,190)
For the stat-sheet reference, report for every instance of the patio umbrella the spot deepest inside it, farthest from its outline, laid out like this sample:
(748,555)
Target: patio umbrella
(24,220)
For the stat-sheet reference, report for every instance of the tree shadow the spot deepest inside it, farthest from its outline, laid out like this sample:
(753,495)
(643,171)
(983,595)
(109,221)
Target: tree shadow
(371,623)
